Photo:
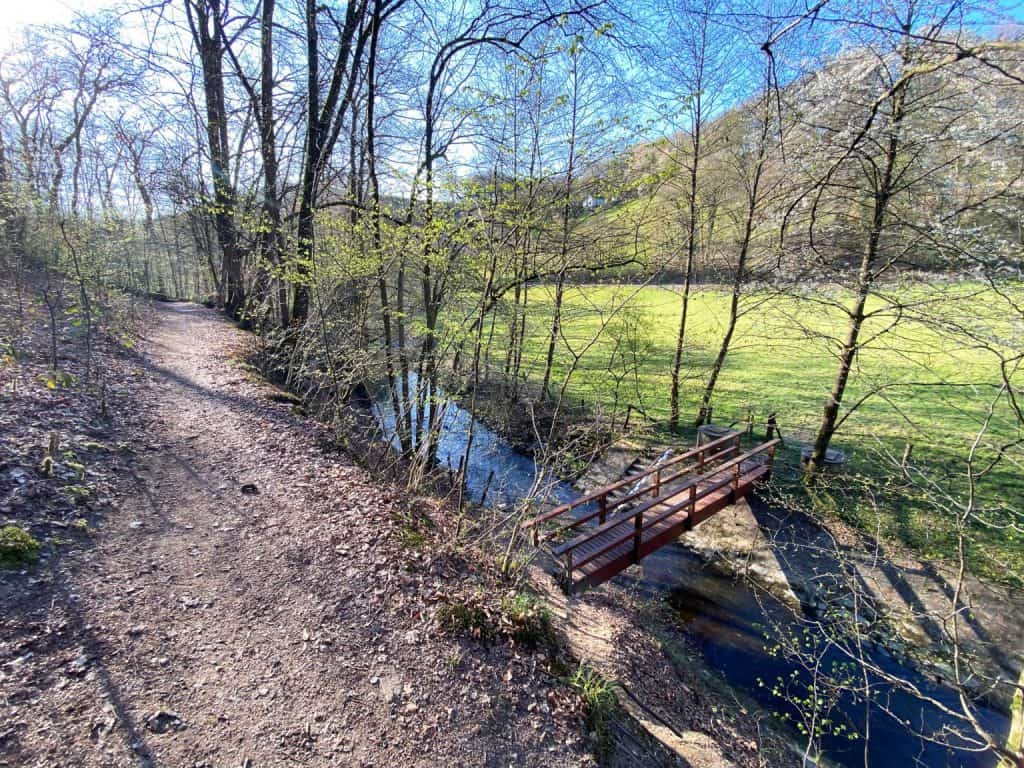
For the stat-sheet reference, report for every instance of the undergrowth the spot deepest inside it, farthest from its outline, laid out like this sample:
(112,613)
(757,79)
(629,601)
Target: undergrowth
(17,547)
(599,705)
(520,617)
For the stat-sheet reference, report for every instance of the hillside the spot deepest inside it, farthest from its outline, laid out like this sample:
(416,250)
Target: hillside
(966,138)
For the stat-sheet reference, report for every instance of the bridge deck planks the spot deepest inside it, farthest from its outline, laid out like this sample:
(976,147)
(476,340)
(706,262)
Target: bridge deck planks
(663,532)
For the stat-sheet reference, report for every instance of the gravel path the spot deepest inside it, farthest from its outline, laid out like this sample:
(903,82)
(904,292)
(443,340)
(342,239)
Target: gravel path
(246,601)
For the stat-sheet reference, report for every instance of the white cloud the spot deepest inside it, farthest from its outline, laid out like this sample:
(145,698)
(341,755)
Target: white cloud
(16,14)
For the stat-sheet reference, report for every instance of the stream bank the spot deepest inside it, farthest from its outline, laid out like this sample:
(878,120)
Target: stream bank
(724,619)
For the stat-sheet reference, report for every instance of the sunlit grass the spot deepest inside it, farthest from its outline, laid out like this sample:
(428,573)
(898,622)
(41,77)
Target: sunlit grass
(934,388)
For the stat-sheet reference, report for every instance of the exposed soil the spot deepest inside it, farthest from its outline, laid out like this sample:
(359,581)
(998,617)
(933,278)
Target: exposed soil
(228,592)
(798,558)
(662,684)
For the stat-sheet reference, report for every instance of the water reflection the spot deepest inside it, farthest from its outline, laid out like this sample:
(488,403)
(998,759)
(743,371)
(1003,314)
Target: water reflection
(726,620)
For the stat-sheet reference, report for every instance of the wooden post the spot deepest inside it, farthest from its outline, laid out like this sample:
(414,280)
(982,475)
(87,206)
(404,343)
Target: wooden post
(736,477)
(750,420)
(568,571)
(772,426)
(638,527)
(602,508)
(656,488)
(700,461)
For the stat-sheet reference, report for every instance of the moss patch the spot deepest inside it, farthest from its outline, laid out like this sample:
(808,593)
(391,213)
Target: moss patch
(17,547)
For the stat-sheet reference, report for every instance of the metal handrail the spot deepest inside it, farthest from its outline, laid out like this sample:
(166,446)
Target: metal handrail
(637,514)
(602,493)
(603,512)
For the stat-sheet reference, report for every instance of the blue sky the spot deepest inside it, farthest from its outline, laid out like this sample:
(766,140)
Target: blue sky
(17,13)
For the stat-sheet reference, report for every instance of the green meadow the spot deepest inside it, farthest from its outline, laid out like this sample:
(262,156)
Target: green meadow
(920,383)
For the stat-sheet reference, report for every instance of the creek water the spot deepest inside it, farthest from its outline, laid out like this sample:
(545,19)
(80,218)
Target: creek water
(733,627)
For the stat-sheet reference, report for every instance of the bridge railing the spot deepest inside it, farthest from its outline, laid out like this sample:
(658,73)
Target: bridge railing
(695,460)
(725,474)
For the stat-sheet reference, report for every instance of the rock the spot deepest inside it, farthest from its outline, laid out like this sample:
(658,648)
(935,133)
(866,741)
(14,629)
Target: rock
(164,722)
(390,688)
(249,489)
(18,475)
(78,665)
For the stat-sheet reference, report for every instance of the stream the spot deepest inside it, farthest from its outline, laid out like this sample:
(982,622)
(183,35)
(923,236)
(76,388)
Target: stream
(725,620)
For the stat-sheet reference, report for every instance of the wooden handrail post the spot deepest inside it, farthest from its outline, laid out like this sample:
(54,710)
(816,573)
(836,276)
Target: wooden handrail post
(657,483)
(736,477)
(700,461)
(602,509)
(638,527)
(568,570)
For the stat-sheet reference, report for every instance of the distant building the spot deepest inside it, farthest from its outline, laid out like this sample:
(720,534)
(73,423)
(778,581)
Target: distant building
(592,203)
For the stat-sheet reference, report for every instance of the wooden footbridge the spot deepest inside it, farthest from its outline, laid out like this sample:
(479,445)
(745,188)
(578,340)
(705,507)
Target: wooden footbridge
(604,532)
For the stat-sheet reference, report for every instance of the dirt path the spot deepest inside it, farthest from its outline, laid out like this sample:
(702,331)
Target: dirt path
(247,602)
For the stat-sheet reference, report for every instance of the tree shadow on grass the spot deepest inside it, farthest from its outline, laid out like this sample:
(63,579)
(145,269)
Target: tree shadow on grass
(809,555)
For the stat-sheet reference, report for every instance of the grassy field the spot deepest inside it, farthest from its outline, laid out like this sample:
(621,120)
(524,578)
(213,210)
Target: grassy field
(938,386)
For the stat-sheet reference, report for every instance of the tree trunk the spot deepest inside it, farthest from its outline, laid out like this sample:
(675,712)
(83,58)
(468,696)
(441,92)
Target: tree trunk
(865,279)
(556,319)
(691,251)
(741,261)
(204,21)
(556,327)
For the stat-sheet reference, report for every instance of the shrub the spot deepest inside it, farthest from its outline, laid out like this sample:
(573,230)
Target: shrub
(464,619)
(599,704)
(17,547)
(527,620)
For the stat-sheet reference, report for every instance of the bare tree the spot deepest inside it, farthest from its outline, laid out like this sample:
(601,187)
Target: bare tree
(205,19)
